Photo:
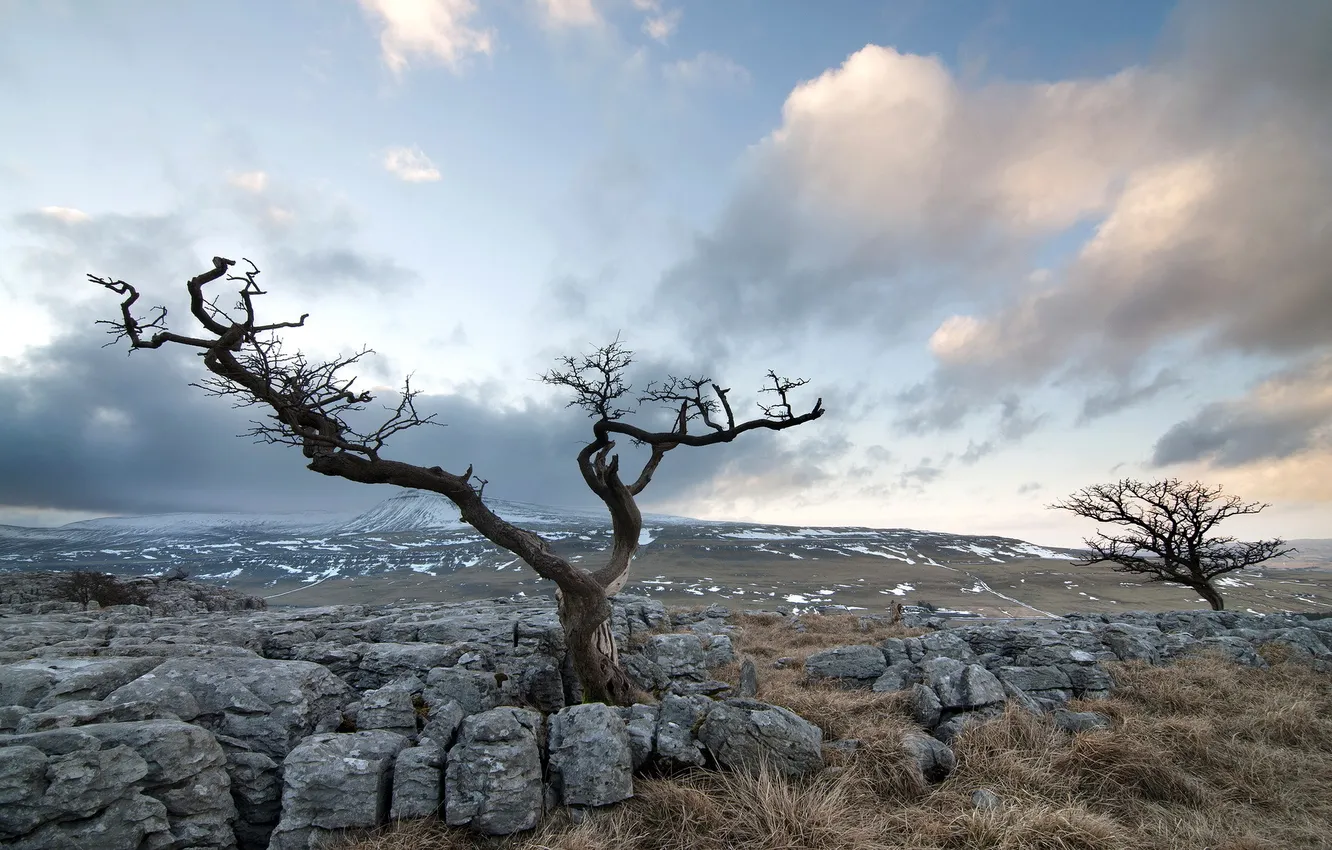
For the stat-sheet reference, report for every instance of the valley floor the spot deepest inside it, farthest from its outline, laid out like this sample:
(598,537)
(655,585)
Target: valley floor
(1025,588)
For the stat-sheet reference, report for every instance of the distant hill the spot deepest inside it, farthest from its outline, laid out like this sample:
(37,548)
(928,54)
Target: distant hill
(422,532)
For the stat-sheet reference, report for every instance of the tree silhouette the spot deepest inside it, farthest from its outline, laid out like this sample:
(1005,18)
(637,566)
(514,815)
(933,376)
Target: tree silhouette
(1167,526)
(308,403)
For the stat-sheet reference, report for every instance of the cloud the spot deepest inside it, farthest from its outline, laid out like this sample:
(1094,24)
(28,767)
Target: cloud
(710,70)
(924,473)
(308,237)
(103,432)
(324,268)
(434,28)
(1285,416)
(568,14)
(1029,487)
(253,182)
(68,215)
(1125,394)
(661,27)
(1195,190)
(411,165)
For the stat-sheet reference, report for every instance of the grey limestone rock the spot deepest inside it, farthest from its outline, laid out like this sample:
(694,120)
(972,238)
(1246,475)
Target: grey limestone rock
(492,777)
(946,645)
(271,705)
(742,733)
(925,706)
(854,665)
(956,722)
(388,708)
(1133,643)
(640,723)
(1079,721)
(985,799)
(961,685)
(442,724)
(897,677)
(474,691)
(932,756)
(186,772)
(591,760)
(680,656)
(677,719)
(86,678)
(645,672)
(748,679)
(720,651)
(894,651)
(335,781)
(256,789)
(418,781)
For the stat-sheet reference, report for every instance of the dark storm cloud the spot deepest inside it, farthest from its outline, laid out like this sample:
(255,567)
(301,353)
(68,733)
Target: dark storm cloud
(1286,415)
(1124,395)
(94,429)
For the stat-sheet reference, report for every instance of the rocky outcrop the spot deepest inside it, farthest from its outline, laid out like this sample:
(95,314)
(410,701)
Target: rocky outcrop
(273,728)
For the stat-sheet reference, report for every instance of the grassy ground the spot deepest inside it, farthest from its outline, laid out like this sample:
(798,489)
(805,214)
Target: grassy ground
(1203,754)
(695,577)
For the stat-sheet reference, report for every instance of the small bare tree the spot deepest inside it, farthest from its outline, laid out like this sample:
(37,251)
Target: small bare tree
(309,402)
(84,586)
(1168,523)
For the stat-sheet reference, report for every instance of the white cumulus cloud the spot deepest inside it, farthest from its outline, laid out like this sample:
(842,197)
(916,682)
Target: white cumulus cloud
(435,28)
(254,182)
(410,164)
(68,215)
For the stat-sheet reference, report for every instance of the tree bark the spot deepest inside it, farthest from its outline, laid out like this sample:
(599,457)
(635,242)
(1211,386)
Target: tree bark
(1209,593)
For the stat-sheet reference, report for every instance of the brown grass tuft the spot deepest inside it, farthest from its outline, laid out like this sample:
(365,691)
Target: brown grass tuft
(1201,754)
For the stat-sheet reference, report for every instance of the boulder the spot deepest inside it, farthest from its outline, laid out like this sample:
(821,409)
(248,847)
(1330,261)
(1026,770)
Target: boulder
(418,781)
(741,734)
(857,666)
(335,781)
(1133,643)
(1079,721)
(442,724)
(474,691)
(186,773)
(388,708)
(933,757)
(677,718)
(748,679)
(81,678)
(492,776)
(591,760)
(961,686)
(680,656)
(925,706)
(897,677)
(640,722)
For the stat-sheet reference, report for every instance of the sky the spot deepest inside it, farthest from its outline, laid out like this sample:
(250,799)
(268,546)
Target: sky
(1017,247)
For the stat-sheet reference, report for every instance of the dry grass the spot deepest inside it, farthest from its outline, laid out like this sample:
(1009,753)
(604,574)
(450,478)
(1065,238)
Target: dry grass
(1202,754)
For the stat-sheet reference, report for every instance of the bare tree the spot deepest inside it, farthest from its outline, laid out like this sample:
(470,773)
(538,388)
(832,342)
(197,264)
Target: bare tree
(1168,523)
(309,403)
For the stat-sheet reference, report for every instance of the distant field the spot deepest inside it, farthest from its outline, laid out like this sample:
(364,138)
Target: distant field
(686,576)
